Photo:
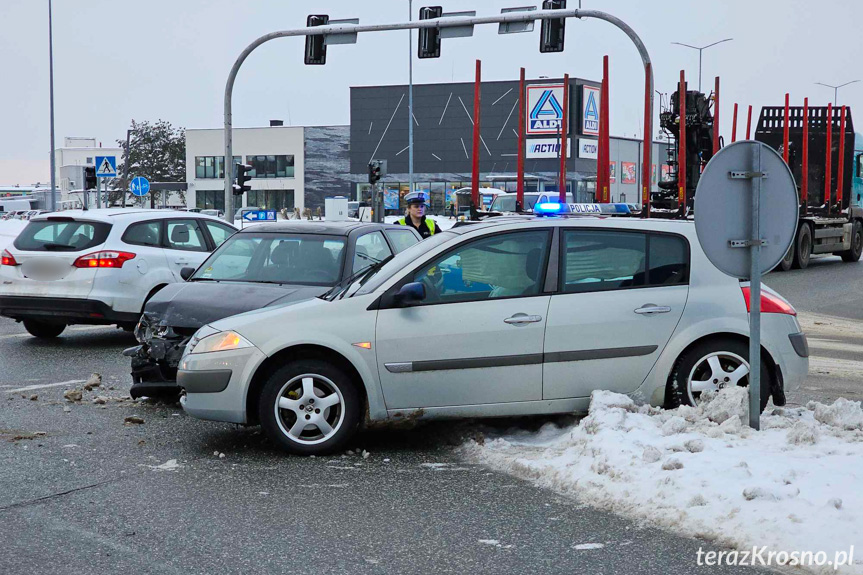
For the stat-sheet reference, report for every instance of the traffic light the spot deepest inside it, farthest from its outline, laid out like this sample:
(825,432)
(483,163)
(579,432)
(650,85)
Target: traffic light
(429,40)
(240,187)
(551,31)
(91,182)
(316,48)
(374,171)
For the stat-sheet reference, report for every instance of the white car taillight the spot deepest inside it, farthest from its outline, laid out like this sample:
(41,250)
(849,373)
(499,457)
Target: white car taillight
(104,259)
(769,303)
(8,259)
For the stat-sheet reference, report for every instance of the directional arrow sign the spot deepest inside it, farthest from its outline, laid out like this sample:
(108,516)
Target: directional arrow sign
(106,166)
(260,216)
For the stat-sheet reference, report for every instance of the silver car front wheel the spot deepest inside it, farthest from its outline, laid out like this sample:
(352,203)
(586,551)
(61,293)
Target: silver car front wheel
(309,407)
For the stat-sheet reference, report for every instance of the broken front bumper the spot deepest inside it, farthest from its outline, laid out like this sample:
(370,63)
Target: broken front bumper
(154,366)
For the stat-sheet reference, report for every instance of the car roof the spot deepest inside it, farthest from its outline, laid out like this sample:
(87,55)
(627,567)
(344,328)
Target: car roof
(685,227)
(342,228)
(120,215)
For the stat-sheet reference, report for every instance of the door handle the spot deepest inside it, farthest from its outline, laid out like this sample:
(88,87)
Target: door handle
(522,319)
(181,261)
(650,309)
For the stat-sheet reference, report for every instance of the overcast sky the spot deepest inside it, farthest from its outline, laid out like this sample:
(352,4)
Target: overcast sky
(118,60)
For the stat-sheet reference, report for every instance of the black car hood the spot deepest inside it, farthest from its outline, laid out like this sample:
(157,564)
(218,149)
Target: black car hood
(194,304)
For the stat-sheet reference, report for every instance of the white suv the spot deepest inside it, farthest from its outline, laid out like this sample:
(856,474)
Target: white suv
(513,316)
(99,266)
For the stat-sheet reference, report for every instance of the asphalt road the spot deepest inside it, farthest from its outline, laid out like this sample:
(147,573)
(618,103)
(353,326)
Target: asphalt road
(81,492)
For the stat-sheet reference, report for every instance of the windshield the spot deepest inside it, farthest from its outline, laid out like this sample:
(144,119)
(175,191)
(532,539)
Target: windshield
(303,259)
(379,275)
(506,203)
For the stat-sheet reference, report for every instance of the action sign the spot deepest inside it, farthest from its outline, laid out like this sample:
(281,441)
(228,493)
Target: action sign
(106,166)
(544,109)
(260,216)
(140,186)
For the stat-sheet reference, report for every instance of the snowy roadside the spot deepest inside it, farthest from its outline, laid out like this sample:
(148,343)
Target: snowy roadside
(701,472)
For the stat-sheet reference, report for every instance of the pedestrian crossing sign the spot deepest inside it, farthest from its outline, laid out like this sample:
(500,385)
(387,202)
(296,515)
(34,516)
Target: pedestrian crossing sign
(106,166)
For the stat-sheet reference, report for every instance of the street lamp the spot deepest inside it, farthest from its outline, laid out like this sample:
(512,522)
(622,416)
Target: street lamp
(53,202)
(700,50)
(836,88)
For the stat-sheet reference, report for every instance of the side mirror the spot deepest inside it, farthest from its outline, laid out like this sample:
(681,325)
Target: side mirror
(186,273)
(410,293)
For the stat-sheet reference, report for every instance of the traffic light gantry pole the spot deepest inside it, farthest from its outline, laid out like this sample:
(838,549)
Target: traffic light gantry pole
(346,31)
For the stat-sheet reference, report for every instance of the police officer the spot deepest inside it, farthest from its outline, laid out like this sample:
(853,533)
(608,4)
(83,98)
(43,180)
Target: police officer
(416,218)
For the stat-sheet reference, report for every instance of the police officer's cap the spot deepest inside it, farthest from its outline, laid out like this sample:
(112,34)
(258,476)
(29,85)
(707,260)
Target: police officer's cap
(416,198)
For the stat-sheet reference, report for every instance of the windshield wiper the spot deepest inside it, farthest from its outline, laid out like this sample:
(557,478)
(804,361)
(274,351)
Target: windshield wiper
(341,288)
(202,280)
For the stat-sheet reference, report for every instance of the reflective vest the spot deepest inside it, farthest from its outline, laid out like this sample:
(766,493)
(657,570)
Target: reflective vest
(430,228)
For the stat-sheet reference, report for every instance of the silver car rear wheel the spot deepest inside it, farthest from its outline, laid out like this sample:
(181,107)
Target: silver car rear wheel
(715,371)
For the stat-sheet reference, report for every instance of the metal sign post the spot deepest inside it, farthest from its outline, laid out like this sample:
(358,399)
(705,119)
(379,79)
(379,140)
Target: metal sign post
(755,295)
(732,184)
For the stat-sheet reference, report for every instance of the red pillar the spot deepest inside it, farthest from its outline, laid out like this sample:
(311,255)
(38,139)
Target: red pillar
(828,174)
(734,125)
(646,169)
(563,136)
(749,124)
(716,117)
(604,157)
(519,198)
(474,183)
(804,185)
(840,173)
(785,131)
(681,149)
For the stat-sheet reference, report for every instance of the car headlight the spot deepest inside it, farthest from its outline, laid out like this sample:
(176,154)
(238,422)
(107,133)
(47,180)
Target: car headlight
(222,341)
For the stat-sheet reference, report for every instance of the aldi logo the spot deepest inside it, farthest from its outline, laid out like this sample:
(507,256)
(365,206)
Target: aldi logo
(545,109)
(590,111)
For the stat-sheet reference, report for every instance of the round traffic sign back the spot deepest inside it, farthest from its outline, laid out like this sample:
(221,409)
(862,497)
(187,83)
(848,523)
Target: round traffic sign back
(140,186)
(724,207)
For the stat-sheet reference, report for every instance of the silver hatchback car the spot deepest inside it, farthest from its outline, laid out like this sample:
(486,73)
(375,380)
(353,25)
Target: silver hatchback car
(514,316)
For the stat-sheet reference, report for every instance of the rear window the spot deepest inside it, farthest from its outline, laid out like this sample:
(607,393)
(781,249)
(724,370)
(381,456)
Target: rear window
(62,236)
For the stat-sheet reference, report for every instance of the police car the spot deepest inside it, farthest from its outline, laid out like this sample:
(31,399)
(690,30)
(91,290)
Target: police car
(542,312)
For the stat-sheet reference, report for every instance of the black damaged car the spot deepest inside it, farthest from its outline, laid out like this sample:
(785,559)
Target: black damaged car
(260,266)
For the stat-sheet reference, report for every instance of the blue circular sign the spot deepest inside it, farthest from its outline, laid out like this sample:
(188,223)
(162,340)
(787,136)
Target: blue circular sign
(140,186)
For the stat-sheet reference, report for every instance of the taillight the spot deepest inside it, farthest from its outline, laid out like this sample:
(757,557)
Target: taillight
(769,303)
(103,260)
(8,259)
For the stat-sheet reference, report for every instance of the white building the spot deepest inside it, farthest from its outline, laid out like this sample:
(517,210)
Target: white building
(75,154)
(294,166)
(275,153)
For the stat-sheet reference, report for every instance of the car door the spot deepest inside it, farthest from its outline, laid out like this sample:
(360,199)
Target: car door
(620,297)
(185,244)
(477,337)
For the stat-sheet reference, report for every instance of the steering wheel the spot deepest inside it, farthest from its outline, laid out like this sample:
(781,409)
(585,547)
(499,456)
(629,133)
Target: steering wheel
(432,290)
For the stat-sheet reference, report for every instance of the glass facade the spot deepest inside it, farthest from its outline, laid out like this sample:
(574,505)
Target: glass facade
(210,199)
(271,199)
(271,166)
(212,167)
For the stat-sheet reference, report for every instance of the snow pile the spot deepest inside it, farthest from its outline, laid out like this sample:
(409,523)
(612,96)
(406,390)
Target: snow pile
(9,230)
(793,486)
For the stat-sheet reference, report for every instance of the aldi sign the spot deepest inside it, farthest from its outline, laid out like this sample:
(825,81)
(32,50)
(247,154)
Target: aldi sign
(546,148)
(590,110)
(544,109)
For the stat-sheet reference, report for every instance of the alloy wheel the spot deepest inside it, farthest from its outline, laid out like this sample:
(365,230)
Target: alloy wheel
(310,409)
(716,371)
